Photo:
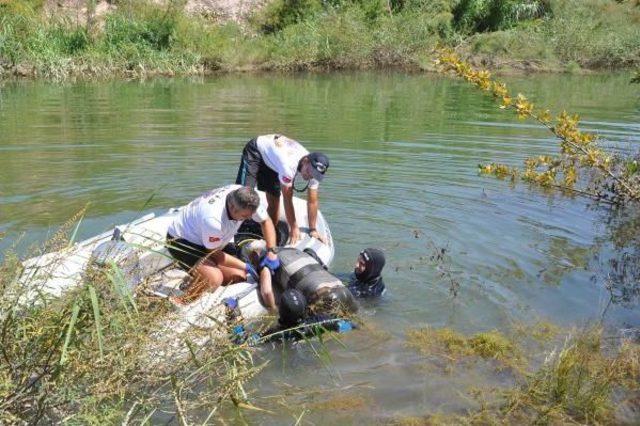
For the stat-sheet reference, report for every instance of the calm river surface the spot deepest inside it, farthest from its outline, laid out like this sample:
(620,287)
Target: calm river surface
(404,152)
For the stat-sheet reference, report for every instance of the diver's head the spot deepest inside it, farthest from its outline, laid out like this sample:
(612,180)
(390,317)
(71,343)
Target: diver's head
(292,308)
(369,264)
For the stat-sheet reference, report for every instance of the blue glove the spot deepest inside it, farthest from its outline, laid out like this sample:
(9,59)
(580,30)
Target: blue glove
(230,302)
(272,264)
(250,271)
(344,326)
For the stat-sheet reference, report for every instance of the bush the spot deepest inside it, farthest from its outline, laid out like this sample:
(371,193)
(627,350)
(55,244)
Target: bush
(149,27)
(282,13)
(491,15)
(595,33)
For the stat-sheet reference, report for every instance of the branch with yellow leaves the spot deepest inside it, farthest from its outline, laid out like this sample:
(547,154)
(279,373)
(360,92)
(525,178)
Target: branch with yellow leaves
(619,182)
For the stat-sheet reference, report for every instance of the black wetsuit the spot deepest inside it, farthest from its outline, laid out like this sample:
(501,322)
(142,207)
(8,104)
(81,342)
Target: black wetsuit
(368,283)
(372,288)
(301,271)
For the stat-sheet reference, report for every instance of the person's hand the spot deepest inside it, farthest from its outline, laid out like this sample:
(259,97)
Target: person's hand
(271,262)
(250,271)
(294,235)
(315,234)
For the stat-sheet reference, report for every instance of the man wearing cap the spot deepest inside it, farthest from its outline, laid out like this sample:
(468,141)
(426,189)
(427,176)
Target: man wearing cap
(272,162)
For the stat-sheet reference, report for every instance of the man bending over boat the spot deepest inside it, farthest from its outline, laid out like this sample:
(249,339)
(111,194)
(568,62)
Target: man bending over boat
(272,162)
(201,230)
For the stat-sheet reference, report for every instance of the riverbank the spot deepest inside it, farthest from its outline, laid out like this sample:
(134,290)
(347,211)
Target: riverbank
(132,39)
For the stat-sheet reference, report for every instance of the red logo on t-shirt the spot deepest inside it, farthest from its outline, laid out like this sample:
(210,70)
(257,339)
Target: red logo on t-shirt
(214,239)
(286,179)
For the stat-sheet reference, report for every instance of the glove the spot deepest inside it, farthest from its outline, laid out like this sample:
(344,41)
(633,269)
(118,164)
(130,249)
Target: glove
(272,264)
(230,302)
(344,326)
(250,271)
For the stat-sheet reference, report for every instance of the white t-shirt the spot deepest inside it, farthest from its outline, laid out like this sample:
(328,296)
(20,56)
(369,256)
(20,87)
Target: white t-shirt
(205,220)
(282,155)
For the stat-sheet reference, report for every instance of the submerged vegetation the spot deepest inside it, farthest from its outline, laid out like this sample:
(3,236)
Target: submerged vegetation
(455,346)
(581,380)
(143,38)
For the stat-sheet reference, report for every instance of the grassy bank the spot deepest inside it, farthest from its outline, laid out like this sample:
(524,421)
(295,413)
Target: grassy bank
(137,39)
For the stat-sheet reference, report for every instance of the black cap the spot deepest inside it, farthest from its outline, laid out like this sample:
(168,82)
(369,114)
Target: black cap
(374,262)
(292,308)
(319,164)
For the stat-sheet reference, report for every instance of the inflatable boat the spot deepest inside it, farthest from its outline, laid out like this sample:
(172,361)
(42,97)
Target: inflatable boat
(137,249)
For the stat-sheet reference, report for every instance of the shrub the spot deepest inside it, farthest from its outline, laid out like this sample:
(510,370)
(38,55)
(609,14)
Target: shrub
(282,13)
(595,33)
(147,26)
(490,15)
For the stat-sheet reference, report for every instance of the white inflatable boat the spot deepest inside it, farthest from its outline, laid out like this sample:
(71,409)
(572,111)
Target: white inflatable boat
(141,254)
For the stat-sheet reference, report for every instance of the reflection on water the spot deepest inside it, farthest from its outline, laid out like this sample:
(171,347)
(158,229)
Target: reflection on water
(404,151)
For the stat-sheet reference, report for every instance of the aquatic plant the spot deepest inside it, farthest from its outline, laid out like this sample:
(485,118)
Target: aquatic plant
(441,260)
(576,382)
(579,382)
(606,177)
(454,346)
(95,354)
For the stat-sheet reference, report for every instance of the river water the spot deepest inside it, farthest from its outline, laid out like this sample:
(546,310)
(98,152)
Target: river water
(404,152)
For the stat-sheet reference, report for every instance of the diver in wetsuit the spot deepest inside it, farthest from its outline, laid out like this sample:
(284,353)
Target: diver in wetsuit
(366,281)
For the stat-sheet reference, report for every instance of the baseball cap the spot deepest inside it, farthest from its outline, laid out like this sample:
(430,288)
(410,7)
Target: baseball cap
(319,165)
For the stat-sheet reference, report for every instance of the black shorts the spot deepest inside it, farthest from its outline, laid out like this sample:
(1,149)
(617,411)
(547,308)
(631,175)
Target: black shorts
(185,252)
(253,171)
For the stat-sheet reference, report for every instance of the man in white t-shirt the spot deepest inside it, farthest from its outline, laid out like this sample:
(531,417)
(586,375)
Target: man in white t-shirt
(271,162)
(201,230)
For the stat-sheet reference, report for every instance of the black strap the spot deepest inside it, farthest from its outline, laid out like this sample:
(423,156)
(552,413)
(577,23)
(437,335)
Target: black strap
(297,277)
(311,252)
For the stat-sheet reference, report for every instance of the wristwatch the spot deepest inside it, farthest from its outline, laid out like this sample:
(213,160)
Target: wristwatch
(271,250)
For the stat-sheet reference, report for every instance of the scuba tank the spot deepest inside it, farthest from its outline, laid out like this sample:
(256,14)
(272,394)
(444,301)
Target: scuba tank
(301,271)
(118,252)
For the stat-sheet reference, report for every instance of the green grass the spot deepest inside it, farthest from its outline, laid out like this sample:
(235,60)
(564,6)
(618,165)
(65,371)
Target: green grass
(140,39)
(88,356)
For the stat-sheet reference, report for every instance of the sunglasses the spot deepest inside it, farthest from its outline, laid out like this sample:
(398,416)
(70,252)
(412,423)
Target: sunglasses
(320,167)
